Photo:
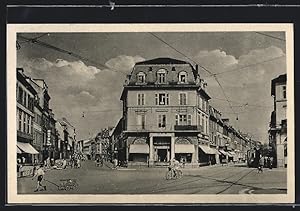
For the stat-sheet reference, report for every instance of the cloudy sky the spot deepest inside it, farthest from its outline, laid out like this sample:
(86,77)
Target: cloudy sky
(246,63)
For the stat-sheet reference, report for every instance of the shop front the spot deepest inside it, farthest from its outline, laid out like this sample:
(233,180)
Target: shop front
(138,153)
(223,156)
(26,155)
(207,155)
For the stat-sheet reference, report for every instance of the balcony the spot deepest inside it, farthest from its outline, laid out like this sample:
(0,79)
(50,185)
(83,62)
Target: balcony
(188,127)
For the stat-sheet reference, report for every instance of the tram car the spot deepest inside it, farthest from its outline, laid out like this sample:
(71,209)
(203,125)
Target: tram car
(253,156)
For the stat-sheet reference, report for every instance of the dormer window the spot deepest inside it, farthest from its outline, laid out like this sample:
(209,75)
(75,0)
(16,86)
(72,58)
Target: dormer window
(141,77)
(182,77)
(161,76)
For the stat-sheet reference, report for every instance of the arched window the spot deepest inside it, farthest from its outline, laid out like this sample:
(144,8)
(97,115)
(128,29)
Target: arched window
(161,76)
(141,77)
(182,77)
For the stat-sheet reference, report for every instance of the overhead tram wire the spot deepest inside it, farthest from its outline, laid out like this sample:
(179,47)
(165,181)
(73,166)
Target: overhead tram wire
(267,35)
(34,38)
(70,53)
(242,103)
(254,64)
(181,53)
(204,68)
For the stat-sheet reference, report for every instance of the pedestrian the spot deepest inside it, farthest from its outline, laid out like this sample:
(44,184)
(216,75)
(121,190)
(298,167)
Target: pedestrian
(39,173)
(64,165)
(52,161)
(115,163)
(98,162)
(23,160)
(260,165)
(78,163)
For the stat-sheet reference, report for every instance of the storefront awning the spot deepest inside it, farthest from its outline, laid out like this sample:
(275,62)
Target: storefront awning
(231,154)
(215,151)
(139,148)
(223,152)
(184,148)
(27,148)
(207,150)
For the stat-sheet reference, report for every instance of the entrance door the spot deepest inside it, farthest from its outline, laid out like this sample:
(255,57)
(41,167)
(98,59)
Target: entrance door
(162,155)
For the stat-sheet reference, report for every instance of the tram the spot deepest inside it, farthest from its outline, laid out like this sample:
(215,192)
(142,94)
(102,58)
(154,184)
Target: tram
(253,156)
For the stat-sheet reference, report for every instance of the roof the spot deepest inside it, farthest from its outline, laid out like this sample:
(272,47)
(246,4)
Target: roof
(162,60)
(279,79)
(21,77)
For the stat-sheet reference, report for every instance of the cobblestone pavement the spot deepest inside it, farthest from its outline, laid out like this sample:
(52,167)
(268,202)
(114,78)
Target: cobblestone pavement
(203,180)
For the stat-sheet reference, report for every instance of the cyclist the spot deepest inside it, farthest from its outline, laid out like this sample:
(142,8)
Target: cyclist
(174,166)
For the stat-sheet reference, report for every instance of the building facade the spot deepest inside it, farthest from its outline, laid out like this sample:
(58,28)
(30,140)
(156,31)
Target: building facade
(165,113)
(278,124)
(45,135)
(26,96)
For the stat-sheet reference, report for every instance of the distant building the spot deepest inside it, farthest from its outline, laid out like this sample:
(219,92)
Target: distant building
(278,124)
(69,140)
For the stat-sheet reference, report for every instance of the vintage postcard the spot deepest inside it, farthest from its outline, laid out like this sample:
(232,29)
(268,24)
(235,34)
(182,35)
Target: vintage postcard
(150,113)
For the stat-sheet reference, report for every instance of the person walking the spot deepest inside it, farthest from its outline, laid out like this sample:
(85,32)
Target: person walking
(64,165)
(260,165)
(39,173)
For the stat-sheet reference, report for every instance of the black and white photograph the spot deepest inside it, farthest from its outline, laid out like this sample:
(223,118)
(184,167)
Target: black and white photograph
(150,113)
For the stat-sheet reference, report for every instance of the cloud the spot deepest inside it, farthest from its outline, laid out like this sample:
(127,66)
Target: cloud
(247,79)
(216,60)
(75,87)
(123,62)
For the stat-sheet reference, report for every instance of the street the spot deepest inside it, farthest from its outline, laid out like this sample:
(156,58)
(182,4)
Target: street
(205,180)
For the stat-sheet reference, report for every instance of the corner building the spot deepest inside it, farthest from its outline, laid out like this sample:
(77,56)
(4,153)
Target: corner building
(165,113)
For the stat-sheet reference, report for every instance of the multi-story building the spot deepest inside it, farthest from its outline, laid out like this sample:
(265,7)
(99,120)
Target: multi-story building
(278,124)
(46,138)
(26,95)
(165,113)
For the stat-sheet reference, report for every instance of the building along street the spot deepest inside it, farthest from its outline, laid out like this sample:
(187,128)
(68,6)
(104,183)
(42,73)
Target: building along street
(218,179)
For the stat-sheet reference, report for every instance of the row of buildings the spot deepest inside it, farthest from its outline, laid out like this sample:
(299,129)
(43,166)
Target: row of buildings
(39,134)
(166,114)
(98,146)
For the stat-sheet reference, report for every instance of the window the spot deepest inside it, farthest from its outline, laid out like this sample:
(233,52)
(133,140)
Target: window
(182,98)
(20,96)
(284,92)
(203,105)
(200,102)
(189,119)
(162,121)
(24,122)
(141,120)
(183,119)
(141,99)
(182,77)
(162,99)
(25,99)
(141,77)
(20,120)
(28,124)
(161,76)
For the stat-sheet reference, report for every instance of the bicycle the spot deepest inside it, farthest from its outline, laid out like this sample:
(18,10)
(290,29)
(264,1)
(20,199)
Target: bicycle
(171,175)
